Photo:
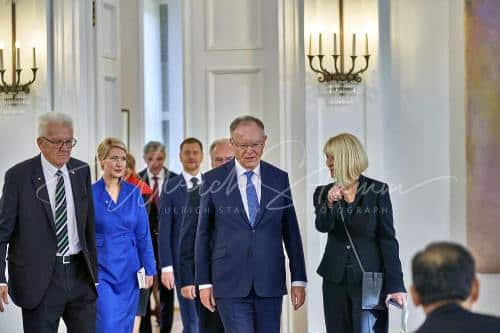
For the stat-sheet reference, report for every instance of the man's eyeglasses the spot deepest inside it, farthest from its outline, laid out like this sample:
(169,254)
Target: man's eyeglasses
(243,146)
(59,143)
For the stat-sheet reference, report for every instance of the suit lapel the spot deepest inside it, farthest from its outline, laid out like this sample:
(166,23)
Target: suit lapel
(233,191)
(266,191)
(78,190)
(41,193)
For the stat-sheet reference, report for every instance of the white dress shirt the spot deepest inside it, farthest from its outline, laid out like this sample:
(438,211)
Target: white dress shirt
(49,172)
(242,185)
(161,179)
(189,184)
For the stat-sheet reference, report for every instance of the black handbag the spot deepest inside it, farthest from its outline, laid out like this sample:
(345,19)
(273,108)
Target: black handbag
(372,283)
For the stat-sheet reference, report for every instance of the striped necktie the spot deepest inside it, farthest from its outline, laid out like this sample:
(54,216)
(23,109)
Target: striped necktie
(61,216)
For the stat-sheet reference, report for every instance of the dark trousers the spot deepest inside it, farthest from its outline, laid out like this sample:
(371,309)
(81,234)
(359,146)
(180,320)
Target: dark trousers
(166,311)
(251,314)
(210,322)
(342,306)
(71,296)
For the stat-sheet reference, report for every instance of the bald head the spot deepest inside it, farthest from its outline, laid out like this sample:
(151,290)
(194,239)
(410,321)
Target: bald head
(221,151)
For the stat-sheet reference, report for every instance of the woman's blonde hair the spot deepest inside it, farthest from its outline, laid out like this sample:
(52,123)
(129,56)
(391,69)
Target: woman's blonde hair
(106,145)
(349,158)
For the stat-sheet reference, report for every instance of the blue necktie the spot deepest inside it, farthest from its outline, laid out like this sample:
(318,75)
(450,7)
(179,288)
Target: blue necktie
(252,199)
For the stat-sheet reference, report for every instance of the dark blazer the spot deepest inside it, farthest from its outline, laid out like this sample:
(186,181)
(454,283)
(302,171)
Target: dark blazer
(173,201)
(243,256)
(370,223)
(187,238)
(453,318)
(152,209)
(27,226)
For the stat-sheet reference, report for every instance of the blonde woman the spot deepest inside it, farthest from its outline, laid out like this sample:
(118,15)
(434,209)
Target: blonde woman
(367,211)
(123,241)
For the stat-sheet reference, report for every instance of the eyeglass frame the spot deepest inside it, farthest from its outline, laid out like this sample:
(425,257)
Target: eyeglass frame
(244,147)
(60,144)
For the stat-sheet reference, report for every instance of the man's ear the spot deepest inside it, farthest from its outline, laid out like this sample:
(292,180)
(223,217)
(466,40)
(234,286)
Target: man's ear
(414,295)
(474,290)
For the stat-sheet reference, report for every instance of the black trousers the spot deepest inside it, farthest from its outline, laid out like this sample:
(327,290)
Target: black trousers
(342,305)
(166,310)
(210,322)
(71,296)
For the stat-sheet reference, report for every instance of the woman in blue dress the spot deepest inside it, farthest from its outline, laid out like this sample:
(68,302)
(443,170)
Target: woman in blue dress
(123,241)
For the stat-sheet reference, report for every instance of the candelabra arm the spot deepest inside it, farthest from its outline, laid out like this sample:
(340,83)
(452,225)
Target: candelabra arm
(353,64)
(367,62)
(2,77)
(335,59)
(18,80)
(26,85)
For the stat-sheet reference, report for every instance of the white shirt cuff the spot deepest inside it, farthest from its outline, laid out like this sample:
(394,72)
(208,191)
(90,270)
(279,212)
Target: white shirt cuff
(205,286)
(3,284)
(299,284)
(167,269)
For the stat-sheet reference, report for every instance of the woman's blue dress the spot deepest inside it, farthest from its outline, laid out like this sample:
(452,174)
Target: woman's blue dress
(124,245)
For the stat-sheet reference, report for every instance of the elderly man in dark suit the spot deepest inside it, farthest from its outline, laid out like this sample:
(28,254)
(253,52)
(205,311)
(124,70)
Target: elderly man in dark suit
(445,284)
(246,216)
(47,219)
(221,151)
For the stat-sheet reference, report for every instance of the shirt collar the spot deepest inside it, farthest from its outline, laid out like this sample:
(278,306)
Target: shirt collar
(161,175)
(51,169)
(187,177)
(240,170)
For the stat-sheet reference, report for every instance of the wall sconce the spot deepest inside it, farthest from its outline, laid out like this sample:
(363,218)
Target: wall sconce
(340,84)
(15,92)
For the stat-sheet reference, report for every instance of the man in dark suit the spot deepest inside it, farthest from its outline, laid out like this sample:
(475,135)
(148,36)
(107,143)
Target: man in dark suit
(445,284)
(221,152)
(156,175)
(173,207)
(246,214)
(47,219)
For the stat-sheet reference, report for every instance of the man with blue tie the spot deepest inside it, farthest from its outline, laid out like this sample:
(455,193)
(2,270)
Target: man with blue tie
(173,201)
(246,215)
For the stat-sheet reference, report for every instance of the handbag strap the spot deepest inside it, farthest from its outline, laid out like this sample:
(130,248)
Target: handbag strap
(350,238)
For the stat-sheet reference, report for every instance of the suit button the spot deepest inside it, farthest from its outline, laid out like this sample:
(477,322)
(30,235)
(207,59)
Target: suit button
(348,247)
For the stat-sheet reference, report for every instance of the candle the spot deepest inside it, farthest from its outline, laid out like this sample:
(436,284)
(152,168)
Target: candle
(34,58)
(18,53)
(320,45)
(334,43)
(310,43)
(353,44)
(1,58)
(366,43)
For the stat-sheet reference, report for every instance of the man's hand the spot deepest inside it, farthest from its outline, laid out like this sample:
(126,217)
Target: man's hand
(207,298)
(298,295)
(167,279)
(4,297)
(188,292)
(149,281)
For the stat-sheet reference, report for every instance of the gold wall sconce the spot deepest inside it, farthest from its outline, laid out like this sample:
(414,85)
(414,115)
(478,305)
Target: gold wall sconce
(14,93)
(341,84)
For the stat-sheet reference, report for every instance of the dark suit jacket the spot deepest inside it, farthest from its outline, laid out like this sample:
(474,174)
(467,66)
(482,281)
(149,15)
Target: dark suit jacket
(187,238)
(172,208)
(27,226)
(243,256)
(455,319)
(152,209)
(370,223)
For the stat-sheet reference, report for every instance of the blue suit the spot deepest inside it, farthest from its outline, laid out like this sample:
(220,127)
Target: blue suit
(242,262)
(173,201)
(123,242)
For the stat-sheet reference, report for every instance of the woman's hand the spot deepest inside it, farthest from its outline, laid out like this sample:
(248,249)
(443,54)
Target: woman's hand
(400,298)
(334,194)
(149,281)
